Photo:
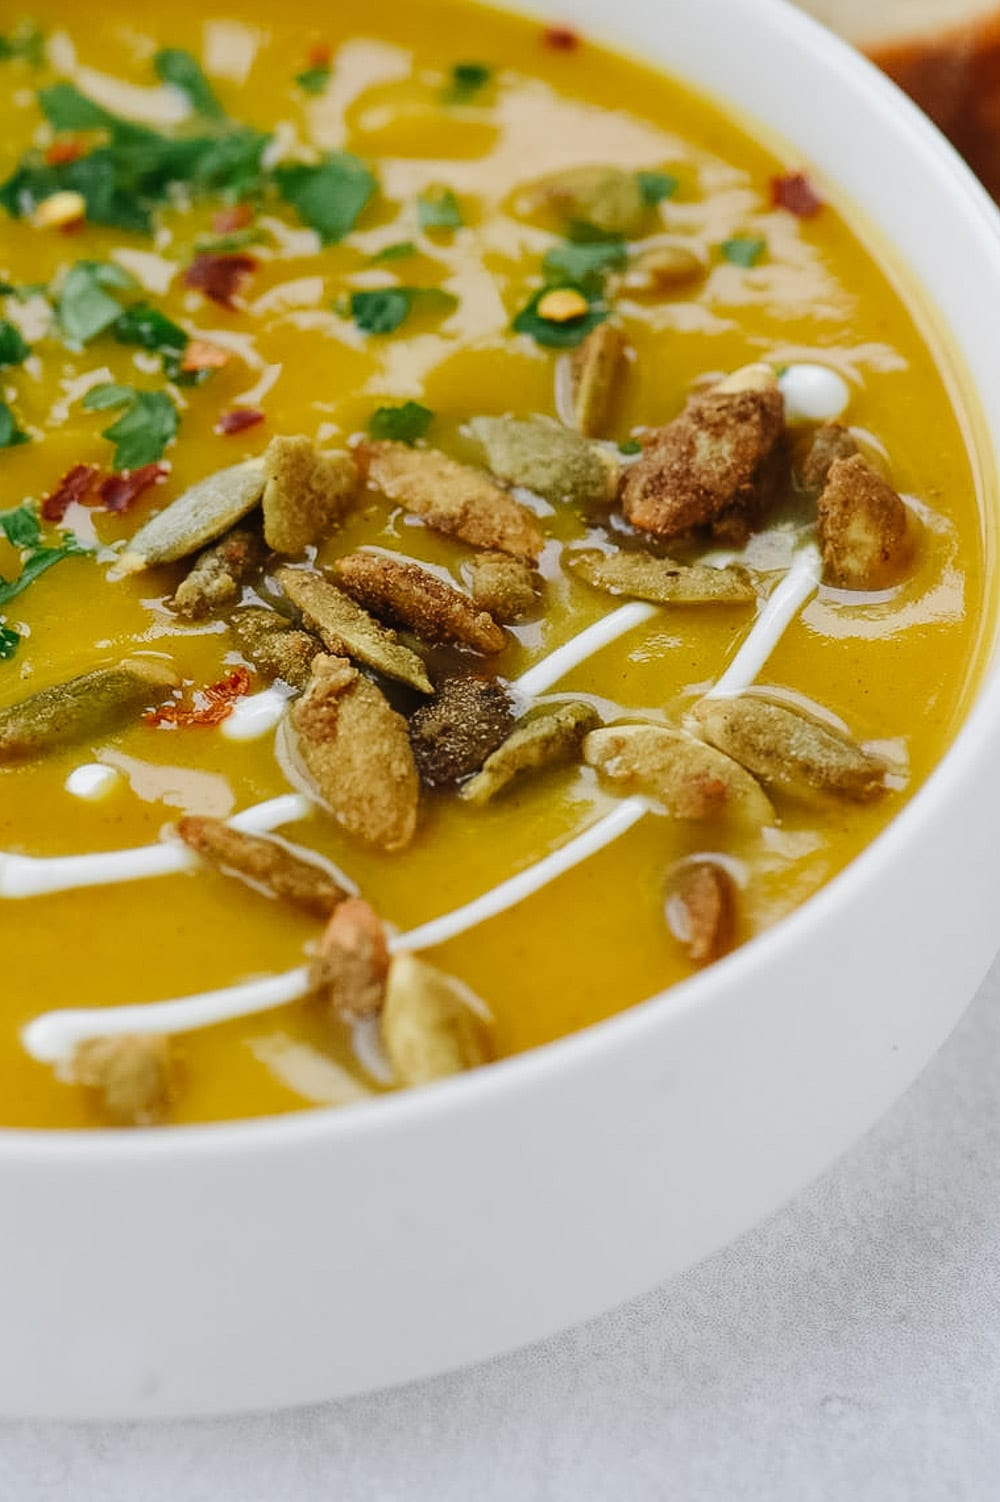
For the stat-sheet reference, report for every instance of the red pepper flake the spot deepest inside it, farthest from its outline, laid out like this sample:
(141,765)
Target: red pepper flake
(61,152)
(795,193)
(119,493)
(238,419)
(207,706)
(227,221)
(320,55)
(75,486)
(560,38)
(220,277)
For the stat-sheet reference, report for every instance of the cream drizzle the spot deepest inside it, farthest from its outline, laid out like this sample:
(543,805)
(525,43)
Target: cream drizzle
(53,1037)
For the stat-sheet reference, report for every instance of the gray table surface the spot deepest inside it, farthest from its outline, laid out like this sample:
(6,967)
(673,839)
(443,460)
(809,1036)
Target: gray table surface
(850,1348)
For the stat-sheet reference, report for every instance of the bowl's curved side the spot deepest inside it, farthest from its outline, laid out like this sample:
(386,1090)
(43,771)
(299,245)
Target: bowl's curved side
(207,1270)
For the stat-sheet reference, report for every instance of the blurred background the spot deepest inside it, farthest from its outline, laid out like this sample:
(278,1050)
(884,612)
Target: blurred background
(945,53)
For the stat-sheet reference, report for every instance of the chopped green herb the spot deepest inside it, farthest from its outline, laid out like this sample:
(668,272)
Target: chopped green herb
(398,251)
(330,196)
(175,66)
(404,424)
(124,179)
(26,42)
(630,446)
(743,250)
(84,308)
(585,264)
(21,528)
(150,329)
(10,640)
(237,239)
(382,311)
(466,81)
(144,429)
(10,434)
(559,335)
(438,208)
(314,80)
(656,186)
(13,349)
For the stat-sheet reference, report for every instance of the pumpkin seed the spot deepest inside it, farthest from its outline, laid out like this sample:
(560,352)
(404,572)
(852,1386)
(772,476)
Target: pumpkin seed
(351,966)
(197,517)
(453,734)
(82,707)
(267,864)
(349,631)
(642,577)
(662,268)
(504,586)
(429,1029)
(412,596)
(549,459)
(691,780)
(861,525)
(606,198)
(274,646)
(217,575)
(547,740)
(596,369)
(305,492)
(132,1072)
(701,909)
(790,750)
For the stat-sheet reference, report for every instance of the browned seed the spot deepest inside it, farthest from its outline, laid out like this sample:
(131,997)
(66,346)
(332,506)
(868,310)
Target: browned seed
(133,1074)
(264,863)
(862,527)
(87,706)
(349,631)
(691,780)
(663,268)
(701,909)
(831,441)
(214,582)
(608,198)
(351,965)
(548,739)
(790,750)
(429,1027)
(596,368)
(504,586)
(274,646)
(411,596)
(357,751)
(306,493)
(547,458)
(715,466)
(453,734)
(642,577)
(454,498)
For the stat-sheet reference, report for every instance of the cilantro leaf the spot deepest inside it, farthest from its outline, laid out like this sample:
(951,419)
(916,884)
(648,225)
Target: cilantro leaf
(26,42)
(466,81)
(585,264)
(656,186)
(398,251)
(438,208)
(743,250)
(21,526)
(150,329)
(236,239)
(630,446)
(10,640)
(83,307)
(404,424)
(66,108)
(13,349)
(10,434)
(564,335)
(330,196)
(313,80)
(38,563)
(144,429)
(382,311)
(182,71)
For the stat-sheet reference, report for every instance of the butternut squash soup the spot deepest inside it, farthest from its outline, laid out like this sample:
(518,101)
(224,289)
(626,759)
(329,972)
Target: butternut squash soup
(481,538)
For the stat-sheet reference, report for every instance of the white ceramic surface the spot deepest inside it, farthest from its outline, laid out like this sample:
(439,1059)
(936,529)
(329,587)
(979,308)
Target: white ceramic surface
(208,1269)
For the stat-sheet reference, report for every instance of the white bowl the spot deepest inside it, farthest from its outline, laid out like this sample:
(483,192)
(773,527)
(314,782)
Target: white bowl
(200,1270)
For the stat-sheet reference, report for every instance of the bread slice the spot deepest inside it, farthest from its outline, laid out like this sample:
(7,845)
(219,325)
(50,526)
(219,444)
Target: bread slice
(945,53)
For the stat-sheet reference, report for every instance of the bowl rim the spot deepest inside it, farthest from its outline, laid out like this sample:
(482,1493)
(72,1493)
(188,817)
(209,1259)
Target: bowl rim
(399,1110)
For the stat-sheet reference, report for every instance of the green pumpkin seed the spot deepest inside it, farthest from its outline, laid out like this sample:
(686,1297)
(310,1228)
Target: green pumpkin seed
(548,740)
(349,631)
(551,460)
(642,577)
(429,1029)
(197,517)
(86,706)
(790,750)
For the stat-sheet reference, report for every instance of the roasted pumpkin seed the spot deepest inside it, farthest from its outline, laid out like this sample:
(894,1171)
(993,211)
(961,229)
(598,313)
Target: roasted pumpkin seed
(274,646)
(701,909)
(86,706)
(691,780)
(133,1074)
(504,586)
(266,864)
(349,631)
(306,493)
(639,576)
(197,517)
(429,1029)
(351,966)
(606,198)
(548,739)
(596,370)
(790,750)
(217,575)
(409,595)
(547,458)
(454,734)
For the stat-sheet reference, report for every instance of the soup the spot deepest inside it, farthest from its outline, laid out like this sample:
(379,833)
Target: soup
(541,525)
